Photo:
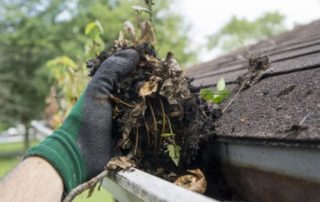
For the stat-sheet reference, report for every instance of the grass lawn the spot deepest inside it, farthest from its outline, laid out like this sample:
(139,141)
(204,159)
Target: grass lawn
(6,164)
(16,146)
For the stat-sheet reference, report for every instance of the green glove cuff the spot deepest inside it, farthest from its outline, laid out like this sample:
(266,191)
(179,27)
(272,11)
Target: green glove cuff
(61,150)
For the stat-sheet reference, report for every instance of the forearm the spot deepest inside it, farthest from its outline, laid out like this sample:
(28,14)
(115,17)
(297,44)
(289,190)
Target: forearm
(34,179)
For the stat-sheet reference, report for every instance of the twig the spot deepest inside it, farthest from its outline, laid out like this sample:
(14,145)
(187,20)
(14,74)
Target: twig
(84,186)
(163,116)
(231,101)
(148,134)
(118,100)
(91,190)
(149,4)
(155,126)
(137,140)
(171,131)
(153,116)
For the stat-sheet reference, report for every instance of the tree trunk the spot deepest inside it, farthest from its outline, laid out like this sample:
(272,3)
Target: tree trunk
(26,137)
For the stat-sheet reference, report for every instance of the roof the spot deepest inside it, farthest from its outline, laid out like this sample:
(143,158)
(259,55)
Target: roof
(285,103)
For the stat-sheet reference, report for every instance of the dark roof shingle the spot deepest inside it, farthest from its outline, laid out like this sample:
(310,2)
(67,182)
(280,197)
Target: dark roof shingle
(285,104)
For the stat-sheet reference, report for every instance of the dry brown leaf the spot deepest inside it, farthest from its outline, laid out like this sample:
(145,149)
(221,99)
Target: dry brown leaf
(120,162)
(147,33)
(129,29)
(124,142)
(153,60)
(150,86)
(173,65)
(195,182)
(121,40)
(175,90)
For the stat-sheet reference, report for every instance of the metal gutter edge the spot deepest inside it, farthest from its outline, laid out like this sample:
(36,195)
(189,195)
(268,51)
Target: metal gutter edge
(270,173)
(136,185)
(303,163)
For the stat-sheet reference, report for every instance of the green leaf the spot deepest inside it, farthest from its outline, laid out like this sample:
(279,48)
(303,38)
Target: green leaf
(216,96)
(219,96)
(217,99)
(221,84)
(99,26)
(90,27)
(174,153)
(225,92)
(167,134)
(94,30)
(206,94)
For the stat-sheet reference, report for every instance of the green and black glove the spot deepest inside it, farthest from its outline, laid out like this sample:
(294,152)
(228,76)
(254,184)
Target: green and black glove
(81,147)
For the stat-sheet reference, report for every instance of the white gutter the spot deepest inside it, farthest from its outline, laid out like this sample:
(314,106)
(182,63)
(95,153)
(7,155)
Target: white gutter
(136,185)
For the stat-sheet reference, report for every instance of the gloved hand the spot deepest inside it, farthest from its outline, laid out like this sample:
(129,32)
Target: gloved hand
(81,147)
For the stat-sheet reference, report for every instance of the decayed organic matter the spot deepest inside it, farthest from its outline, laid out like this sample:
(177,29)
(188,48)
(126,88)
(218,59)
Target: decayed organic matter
(157,116)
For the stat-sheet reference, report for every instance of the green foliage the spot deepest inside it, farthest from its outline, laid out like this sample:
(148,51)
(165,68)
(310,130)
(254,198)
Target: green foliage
(70,78)
(94,44)
(7,164)
(174,153)
(240,31)
(93,29)
(215,96)
(14,147)
(4,126)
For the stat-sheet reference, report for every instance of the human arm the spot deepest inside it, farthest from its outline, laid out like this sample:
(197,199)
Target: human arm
(34,179)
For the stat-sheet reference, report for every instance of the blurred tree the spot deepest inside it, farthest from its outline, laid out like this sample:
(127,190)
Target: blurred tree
(35,31)
(240,31)
(69,78)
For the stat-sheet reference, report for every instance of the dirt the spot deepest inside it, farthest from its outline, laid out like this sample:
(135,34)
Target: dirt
(256,66)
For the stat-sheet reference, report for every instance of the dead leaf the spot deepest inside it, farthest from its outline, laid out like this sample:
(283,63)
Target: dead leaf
(121,40)
(129,29)
(153,61)
(138,111)
(150,86)
(147,33)
(120,162)
(173,65)
(195,182)
(175,90)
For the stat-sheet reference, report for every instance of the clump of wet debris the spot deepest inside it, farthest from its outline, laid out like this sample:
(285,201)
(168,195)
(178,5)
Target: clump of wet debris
(159,119)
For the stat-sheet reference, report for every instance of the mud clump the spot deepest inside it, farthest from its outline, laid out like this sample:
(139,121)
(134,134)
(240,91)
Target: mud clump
(158,118)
